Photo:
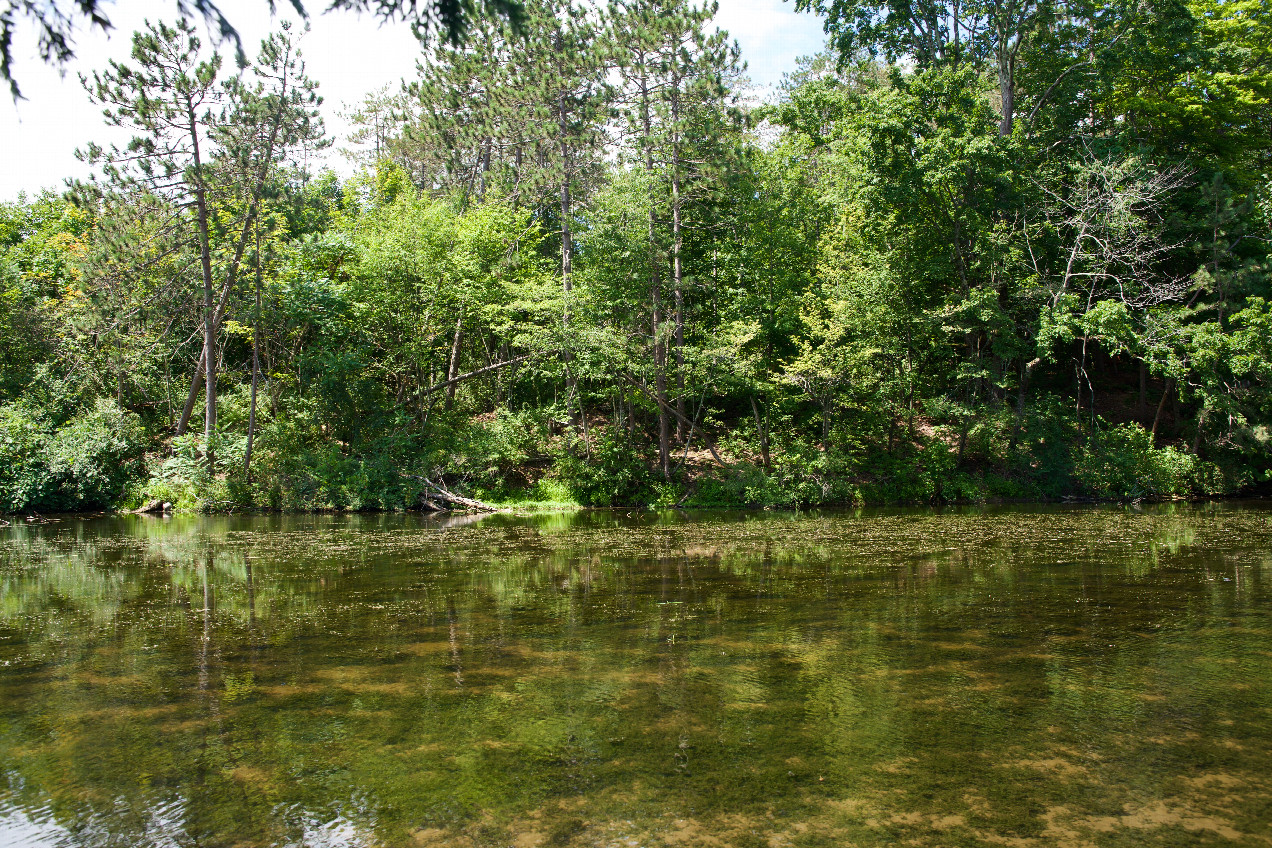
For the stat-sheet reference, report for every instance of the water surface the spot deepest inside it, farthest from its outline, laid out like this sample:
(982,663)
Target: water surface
(1067,677)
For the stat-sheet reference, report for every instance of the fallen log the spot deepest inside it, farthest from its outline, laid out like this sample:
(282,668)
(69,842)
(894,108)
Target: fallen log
(438,493)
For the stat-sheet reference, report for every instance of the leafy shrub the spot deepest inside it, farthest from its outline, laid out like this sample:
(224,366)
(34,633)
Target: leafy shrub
(96,455)
(743,484)
(547,492)
(801,475)
(551,491)
(804,475)
(1045,446)
(183,478)
(615,475)
(26,480)
(1125,465)
(85,464)
(486,453)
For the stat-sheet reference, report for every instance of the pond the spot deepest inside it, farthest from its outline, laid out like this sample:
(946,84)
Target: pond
(1016,676)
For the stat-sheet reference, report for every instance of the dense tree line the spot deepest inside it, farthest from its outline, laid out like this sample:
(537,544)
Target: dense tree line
(980,250)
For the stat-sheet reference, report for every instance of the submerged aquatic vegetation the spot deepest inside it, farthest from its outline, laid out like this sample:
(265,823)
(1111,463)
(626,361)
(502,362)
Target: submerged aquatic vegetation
(1043,676)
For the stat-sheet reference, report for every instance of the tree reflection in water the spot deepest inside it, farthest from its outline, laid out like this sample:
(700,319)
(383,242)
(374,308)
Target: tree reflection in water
(1043,676)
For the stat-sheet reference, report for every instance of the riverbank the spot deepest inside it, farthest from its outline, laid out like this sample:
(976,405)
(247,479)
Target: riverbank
(102,460)
(928,477)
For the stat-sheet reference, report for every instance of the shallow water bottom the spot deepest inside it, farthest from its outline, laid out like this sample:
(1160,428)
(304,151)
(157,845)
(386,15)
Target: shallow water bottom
(1015,677)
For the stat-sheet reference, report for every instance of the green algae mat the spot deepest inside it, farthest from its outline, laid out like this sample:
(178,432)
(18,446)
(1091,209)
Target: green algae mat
(1023,676)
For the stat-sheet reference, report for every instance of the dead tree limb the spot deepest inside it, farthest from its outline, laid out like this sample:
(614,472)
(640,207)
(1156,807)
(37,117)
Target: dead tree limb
(671,410)
(437,493)
(454,381)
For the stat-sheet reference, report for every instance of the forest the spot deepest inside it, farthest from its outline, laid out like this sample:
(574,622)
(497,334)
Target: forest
(977,251)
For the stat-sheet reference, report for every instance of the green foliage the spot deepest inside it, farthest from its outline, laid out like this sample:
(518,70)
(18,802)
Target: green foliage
(613,473)
(490,455)
(547,493)
(1123,464)
(983,275)
(743,484)
(87,463)
(95,455)
(182,479)
(26,482)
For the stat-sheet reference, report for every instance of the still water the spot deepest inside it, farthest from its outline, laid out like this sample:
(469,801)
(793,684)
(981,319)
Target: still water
(1066,677)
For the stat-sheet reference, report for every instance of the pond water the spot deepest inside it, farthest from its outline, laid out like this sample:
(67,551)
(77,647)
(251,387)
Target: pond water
(1041,676)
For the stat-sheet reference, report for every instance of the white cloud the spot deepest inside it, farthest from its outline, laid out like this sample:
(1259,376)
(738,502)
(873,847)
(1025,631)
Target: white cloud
(348,55)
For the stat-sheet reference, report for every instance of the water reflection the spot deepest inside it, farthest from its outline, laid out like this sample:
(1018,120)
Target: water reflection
(967,677)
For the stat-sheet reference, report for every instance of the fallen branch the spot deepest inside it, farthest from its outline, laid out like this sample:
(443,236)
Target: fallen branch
(438,493)
(446,384)
(677,415)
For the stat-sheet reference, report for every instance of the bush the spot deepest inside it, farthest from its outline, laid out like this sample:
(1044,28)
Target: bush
(85,464)
(802,474)
(1124,464)
(742,484)
(615,475)
(23,455)
(96,455)
(183,477)
(487,454)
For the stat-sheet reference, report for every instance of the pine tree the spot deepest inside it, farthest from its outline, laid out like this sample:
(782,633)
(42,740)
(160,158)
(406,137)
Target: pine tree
(680,105)
(274,119)
(209,146)
(170,98)
(523,112)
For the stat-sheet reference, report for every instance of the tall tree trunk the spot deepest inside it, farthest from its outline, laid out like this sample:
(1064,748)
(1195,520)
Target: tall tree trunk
(1141,411)
(1161,407)
(452,369)
(677,268)
(212,318)
(209,322)
(762,429)
(485,167)
(119,368)
(1007,91)
(1020,414)
(256,371)
(1201,428)
(567,247)
(655,287)
(660,386)
(1026,371)
(196,380)
(196,383)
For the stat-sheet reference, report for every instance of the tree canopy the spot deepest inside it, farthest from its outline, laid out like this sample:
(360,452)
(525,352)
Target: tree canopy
(579,263)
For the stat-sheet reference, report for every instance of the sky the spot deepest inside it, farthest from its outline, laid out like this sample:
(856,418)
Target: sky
(349,55)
